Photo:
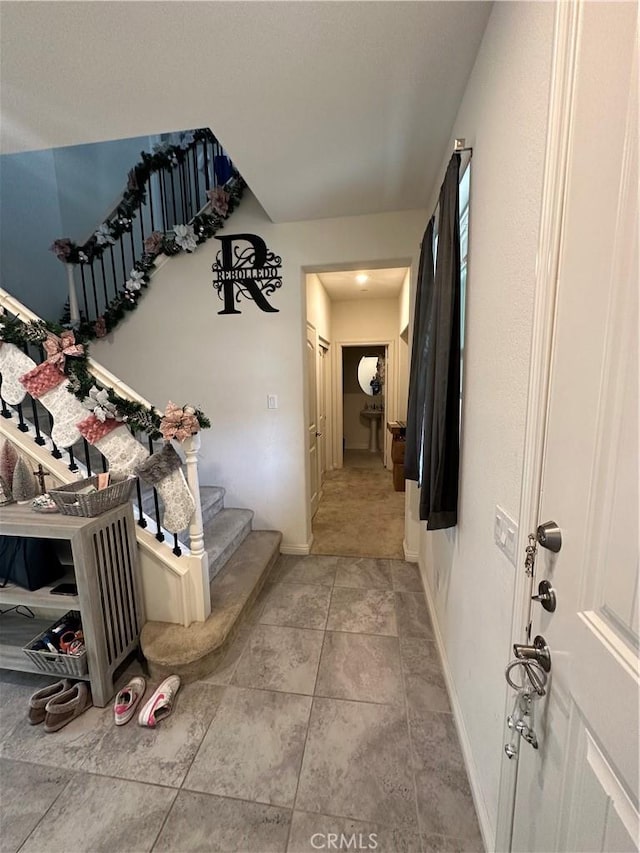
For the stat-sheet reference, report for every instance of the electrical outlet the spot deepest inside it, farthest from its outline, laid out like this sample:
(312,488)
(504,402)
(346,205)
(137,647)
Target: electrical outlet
(505,534)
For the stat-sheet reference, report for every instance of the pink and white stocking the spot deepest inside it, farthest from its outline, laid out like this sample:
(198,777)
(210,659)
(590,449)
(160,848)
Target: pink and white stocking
(49,385)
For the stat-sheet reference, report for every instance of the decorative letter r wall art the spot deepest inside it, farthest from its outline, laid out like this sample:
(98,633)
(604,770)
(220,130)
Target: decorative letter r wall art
(252,272)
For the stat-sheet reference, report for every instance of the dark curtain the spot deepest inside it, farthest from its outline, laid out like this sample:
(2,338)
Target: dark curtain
(437,371)
(417,387)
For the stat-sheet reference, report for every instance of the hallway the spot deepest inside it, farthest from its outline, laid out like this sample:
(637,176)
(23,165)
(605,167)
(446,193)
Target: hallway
(360,514)
(329,715)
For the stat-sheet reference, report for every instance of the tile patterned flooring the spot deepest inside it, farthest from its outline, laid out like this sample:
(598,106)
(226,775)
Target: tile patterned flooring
(328,715)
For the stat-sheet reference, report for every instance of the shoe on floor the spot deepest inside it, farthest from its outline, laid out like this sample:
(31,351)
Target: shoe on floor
(67,706)
(160,704)
(38,702)
(127,700)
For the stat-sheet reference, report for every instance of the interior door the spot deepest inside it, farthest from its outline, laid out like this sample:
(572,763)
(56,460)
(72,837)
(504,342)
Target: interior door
(323,373)
(579,790)
(312,419)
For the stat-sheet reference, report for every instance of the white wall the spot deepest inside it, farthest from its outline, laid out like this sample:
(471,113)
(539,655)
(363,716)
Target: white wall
(365,319)
(404,305)
(503,116)
(177,346)
(318,307)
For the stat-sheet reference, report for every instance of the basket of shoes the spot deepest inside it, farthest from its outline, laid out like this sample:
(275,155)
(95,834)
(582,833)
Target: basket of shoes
(60,649)
(86,499)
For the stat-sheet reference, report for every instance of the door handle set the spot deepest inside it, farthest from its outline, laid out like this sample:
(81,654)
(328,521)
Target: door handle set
(532,662)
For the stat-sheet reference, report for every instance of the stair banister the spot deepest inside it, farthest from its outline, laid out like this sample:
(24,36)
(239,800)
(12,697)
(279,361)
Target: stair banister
(191,446)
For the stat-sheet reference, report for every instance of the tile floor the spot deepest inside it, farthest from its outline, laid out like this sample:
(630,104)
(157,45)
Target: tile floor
(329,715)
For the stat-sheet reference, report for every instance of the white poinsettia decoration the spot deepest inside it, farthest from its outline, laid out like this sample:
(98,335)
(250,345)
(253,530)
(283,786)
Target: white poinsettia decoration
(98,402)
(103,235)
(135,280)
(185,237)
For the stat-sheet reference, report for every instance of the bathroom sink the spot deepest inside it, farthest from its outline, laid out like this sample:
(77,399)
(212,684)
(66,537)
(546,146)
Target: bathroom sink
(375,416)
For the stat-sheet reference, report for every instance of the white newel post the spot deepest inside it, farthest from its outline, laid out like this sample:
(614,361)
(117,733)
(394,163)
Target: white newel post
(74,311)
(191,447)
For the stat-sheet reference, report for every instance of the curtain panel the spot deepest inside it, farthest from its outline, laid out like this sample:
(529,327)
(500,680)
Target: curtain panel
(433,417)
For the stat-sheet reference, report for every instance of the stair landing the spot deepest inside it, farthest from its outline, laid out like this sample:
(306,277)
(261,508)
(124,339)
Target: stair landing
(196,651)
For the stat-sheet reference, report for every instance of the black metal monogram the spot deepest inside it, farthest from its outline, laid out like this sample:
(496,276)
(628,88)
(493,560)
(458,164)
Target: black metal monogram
(252,272)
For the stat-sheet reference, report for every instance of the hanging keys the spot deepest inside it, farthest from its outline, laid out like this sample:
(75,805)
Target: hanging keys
(528,679)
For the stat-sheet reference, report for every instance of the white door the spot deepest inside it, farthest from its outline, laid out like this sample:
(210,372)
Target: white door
(312,420)
(323,378)
(579,790)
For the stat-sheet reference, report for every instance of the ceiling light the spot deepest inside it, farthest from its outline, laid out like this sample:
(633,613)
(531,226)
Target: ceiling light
(362,277)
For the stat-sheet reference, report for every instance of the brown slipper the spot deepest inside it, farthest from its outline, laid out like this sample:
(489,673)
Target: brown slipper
(67,706)
(39,700)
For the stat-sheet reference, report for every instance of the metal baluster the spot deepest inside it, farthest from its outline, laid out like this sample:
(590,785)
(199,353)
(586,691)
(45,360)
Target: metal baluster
(159,533)
(124,263)
(6,411)
(133,248)
(104,283)
(22,426)
(196,179)
(163,200)
(177,550)
(142,521)
(183,192)
(205,151)
(38,439)
(55,452)
(72,461)
(173,198)
(95,292)
(84,292)
(113,271)
(87,456)
(140,219)
(149,183)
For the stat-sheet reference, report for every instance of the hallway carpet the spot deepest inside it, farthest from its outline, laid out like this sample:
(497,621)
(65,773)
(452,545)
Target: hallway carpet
(359,515)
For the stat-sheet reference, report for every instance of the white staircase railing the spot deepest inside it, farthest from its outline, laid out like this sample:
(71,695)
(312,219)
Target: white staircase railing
(175,579)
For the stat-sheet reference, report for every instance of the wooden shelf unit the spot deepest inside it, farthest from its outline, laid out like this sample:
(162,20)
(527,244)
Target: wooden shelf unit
(105,570)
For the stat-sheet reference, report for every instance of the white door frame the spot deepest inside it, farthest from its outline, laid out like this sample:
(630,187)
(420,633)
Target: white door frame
(566,35)
(391,394)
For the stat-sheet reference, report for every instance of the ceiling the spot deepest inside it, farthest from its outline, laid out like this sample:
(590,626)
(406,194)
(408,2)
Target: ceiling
(379,283)
(328,108)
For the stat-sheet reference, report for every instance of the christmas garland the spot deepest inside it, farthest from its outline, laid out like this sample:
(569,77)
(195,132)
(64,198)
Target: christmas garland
(183,238)
(69,350)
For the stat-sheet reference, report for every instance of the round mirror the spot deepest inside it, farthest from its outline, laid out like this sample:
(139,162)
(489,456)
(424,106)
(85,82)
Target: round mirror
(368,376)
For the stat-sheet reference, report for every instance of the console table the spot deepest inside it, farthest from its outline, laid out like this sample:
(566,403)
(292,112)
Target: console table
(104,568)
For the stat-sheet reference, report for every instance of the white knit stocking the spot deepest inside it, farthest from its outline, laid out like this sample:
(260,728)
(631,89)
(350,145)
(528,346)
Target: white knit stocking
(13,364)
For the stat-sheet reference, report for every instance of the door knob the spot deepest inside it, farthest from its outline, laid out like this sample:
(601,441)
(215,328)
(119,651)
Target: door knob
(538,652)
(546,596)
(549,536)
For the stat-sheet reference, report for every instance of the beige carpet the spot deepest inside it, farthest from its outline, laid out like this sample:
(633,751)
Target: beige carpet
(359,515)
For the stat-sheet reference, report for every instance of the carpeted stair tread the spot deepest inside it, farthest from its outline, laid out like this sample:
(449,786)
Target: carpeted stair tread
(223,534)
(195,651)
(211,501)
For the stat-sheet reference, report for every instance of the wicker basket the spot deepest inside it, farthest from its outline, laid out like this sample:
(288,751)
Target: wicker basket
(57,663)
(69,502)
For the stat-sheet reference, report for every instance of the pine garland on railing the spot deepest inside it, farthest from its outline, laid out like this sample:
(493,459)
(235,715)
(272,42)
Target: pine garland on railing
(182,238)
(70,350)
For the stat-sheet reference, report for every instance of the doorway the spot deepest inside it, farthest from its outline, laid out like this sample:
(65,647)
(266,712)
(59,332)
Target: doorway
(357,318)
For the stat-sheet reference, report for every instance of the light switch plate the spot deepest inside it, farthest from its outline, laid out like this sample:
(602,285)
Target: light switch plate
(272,401)
(505,534)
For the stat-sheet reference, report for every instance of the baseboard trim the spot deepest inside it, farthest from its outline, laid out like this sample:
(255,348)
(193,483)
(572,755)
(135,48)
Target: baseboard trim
(409,556)
(487,832)
(302,550)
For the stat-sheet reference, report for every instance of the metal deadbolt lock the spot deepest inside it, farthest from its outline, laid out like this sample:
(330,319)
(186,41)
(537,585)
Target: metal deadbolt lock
(538,652)
(546,596)
(549,536)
